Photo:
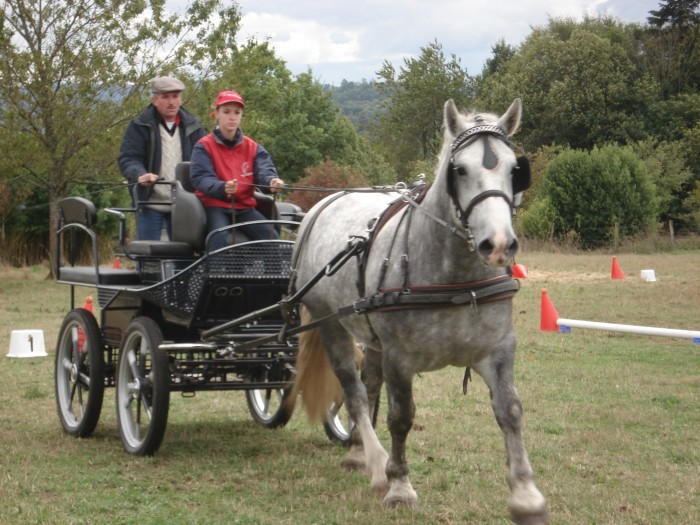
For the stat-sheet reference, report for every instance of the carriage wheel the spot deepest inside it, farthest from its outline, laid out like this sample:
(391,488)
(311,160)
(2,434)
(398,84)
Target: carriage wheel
(79,373)
(143,388)
(269,406)
(338,424)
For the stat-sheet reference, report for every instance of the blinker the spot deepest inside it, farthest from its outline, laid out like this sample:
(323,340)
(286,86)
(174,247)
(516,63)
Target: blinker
(521,175)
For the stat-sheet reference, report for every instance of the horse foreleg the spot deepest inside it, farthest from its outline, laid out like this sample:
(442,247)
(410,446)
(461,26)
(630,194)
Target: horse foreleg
(372,377)
(527,505)
(401,412)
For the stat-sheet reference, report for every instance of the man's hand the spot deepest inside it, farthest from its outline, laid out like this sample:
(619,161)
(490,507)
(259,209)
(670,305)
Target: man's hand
(148,179)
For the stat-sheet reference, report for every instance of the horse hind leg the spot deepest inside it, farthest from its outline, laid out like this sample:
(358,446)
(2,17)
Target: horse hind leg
(365,440)
(371,376)
(527,504)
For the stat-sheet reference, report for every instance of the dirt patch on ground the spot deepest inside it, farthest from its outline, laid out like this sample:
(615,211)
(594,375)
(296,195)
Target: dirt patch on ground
(563,276)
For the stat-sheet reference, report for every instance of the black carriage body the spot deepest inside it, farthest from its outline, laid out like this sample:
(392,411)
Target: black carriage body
(186,319)
(186,296)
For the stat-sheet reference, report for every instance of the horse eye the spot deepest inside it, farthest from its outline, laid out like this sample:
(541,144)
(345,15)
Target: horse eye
(461,170)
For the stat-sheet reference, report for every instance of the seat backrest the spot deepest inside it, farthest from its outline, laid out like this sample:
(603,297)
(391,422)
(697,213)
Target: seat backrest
(73,210)
(182,175)
(189,221)
(266,205)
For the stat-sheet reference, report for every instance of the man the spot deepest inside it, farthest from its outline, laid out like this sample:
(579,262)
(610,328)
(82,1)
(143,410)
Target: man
(163,135)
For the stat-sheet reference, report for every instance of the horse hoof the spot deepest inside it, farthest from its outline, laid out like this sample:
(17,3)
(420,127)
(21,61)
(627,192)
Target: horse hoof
(396,502)
(351,465)
(540,517)
(379,489)
(354,460)
(401,495)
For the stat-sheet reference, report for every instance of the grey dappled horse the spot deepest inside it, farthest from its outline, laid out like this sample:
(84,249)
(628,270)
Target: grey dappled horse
(430,290)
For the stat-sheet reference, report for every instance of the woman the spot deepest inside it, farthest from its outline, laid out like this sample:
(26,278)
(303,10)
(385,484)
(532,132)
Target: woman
(225,168)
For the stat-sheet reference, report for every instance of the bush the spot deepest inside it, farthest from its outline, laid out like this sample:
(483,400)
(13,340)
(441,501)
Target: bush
(325,175)
(537,221)
(602,195)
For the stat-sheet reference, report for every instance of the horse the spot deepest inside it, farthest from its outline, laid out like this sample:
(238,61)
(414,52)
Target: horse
(430,288)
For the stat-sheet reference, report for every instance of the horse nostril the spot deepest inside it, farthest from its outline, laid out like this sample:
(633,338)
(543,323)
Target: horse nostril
(485,248)
(513,248)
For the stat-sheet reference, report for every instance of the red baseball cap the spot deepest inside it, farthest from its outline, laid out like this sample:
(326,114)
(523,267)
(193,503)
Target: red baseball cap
(227,97)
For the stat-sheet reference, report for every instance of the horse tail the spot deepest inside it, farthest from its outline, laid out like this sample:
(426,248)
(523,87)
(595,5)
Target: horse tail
(315,379)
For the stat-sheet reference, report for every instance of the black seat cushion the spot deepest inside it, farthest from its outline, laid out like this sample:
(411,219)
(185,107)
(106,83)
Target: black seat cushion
(87,275)
(160,249)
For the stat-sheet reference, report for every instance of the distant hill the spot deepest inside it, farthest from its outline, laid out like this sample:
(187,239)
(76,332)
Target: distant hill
(359,101)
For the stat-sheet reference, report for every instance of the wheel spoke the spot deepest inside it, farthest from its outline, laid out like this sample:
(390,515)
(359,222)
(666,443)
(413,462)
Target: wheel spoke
(67,365)
(80,398)
(131,358)
(268,397)
(75,344)
(72,391)
(335,408)
(84,379)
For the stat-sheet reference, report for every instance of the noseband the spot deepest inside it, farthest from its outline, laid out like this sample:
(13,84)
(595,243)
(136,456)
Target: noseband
(467,138)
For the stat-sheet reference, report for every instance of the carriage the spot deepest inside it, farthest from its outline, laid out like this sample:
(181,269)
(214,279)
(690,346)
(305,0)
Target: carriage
(430,286)
(187,319)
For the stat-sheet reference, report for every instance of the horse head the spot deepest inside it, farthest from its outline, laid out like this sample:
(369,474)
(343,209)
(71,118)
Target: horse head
(482,175)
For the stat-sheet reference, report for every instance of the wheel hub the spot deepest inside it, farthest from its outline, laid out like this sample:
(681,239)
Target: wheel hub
(135,388)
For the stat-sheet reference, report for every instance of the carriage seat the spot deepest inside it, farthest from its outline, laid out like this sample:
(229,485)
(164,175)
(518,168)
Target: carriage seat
(75,215)
(189,223)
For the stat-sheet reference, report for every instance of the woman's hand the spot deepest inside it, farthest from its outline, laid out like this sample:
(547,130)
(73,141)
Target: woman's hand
(230,188)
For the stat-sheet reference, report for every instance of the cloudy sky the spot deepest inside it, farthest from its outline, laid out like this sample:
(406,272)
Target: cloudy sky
(351,39)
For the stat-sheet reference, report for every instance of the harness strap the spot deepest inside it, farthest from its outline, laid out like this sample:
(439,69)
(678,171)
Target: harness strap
(495,289)
(302,241)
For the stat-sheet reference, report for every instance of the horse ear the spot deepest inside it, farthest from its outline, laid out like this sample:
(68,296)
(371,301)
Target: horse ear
(510,120)
(451,118)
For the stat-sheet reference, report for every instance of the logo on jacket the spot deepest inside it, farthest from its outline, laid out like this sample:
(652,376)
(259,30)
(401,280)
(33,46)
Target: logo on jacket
(245,170)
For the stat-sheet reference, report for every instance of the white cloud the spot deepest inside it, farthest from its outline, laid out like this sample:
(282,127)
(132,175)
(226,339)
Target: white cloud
(301,41)
(344,40)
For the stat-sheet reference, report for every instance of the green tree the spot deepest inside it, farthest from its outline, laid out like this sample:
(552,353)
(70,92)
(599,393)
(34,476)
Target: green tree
(72,72)
(296,119)
(501,53)
(359,101)
(674,181)
(580,84)
(599,195)
(672,46)
(408,129)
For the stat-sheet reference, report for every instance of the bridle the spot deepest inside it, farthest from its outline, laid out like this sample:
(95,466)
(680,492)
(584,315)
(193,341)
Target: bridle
(465,139)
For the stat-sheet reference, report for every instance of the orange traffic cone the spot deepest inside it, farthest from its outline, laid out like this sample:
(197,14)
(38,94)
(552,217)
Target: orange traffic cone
(88,304)
(548,314)
(81,334)
(616,272)
(117,263)
(520,271)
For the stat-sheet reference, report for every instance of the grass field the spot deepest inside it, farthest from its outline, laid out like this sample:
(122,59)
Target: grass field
(612,424)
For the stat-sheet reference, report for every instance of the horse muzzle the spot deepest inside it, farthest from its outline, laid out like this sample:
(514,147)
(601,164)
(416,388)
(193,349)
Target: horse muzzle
(498,250)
